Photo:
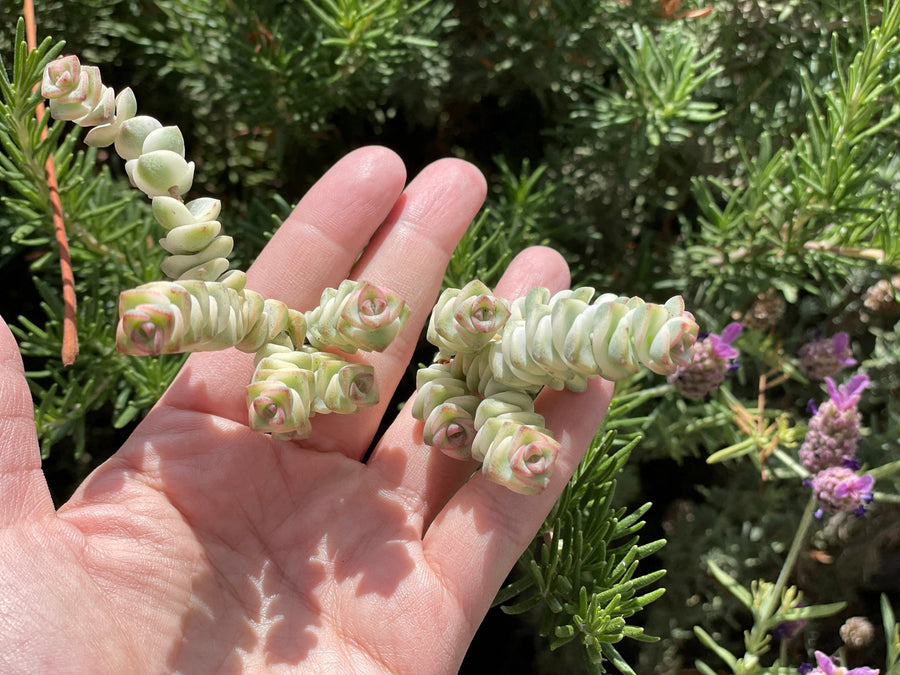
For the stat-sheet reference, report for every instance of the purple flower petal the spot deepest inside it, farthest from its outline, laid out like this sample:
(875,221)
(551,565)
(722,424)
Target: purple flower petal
(840,341)
(731,332)
(824,663)
(847,395)
(864,483)
(856,384)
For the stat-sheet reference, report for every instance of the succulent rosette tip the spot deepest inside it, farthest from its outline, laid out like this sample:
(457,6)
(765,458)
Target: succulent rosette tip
(357,315)
(521,458)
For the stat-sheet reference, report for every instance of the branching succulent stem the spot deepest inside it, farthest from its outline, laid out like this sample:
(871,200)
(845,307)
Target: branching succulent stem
(204,305)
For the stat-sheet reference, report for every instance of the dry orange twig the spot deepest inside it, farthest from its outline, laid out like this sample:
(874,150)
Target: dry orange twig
(668,10)
(70,332)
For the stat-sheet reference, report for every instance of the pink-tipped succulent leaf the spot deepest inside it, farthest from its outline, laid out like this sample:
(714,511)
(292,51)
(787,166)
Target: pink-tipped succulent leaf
(356,315)
(76,93)
(466,319)
(521,458)
(282,406)
(450,426)
(152,322)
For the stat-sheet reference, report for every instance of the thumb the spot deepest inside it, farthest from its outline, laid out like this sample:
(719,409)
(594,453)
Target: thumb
(23,489)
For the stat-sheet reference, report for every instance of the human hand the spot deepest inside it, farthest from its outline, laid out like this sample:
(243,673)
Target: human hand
(202,546)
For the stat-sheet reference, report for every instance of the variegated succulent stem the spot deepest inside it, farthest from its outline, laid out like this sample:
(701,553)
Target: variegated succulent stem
(447,406)
(205,306)
(289,386)
(355,316)
(563,340)
(340,386)
(474,368)
(168,317)
(497,427)
(503,407)
(195,241)
(477,401)
(154,162)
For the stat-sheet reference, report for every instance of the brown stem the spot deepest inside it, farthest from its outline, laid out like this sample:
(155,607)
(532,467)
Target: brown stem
(70,332)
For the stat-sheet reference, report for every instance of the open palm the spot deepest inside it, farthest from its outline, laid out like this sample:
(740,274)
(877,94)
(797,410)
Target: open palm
(203,547)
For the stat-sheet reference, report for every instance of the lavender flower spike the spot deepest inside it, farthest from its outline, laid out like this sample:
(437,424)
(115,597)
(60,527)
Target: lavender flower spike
(833,433)
(825,666)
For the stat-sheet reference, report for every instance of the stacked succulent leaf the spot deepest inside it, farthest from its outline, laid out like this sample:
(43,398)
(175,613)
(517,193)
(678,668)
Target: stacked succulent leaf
(477,399)
(205,306)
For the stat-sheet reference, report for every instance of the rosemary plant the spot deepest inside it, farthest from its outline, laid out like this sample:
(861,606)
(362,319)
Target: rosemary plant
(742,155)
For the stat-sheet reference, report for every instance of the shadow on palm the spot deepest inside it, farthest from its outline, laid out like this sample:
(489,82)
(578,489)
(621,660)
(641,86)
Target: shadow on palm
(274,539)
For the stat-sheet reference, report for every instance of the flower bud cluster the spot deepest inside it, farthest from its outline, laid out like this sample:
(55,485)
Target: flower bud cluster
(829,450)
(833,433)
(840,488)
(857,632)
(825,357)
(713,359)
(477,401)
